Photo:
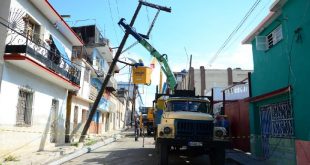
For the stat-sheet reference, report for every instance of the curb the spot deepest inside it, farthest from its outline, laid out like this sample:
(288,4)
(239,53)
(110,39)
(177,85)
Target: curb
(86,150)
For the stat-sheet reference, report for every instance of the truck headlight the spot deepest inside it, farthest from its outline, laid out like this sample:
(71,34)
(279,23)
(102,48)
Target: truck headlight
(219,133)
(167,130)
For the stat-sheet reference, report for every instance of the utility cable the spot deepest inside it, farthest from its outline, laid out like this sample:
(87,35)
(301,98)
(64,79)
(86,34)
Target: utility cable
(251,23)
(112,18)
(234,31)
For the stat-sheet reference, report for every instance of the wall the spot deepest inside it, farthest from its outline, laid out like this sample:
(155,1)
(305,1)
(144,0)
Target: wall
(49,28)
(285,64)
(76,131)
(217,78)
(14,77)
(4,14)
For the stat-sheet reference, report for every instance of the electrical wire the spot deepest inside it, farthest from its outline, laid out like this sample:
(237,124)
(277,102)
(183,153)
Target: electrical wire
(117,9)
(112,18)
(249,25)
(234,31)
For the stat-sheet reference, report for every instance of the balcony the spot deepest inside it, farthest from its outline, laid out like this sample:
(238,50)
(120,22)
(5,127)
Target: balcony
(34,56)
(93,93)
(112,85)
(81,52)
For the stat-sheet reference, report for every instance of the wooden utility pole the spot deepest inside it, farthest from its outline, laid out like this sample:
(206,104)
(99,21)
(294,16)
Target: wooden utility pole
(107,78)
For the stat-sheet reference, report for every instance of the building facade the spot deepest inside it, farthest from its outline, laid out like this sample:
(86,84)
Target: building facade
(203,80)
(37,75)
(278,105)
(98,55)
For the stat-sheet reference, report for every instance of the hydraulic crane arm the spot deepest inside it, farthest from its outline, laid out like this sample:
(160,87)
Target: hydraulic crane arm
(161,58)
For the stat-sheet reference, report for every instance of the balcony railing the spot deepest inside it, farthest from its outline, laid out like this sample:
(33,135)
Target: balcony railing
(93,93)
(112,83)
(80,52)
(18,42)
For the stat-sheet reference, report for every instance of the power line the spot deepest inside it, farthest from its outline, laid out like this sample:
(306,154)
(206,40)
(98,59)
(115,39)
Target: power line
(117,9)
(234,31)
(112,18)
(254,20)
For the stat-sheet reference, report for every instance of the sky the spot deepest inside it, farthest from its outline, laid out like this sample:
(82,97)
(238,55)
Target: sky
(197,28)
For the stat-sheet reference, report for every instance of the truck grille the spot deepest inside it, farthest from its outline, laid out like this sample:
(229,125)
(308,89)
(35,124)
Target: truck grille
(194,130)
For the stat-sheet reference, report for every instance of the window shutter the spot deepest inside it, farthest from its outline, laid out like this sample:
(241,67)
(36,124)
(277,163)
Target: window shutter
(277,34)
(261,43)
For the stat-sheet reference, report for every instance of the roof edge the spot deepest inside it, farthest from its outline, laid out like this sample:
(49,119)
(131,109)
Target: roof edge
(63,21)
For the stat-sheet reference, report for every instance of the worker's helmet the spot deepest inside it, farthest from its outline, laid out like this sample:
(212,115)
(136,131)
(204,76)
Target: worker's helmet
(140,61)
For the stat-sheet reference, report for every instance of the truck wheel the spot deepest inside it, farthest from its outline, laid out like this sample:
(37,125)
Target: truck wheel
(163,153)
(217,156)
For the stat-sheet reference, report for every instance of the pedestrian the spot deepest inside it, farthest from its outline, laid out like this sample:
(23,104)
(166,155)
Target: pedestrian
(137,128)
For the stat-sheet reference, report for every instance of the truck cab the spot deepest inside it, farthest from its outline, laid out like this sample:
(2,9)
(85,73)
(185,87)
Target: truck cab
(186,122)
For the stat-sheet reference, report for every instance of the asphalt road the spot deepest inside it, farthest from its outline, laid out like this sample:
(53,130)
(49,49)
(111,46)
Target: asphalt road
(126,151)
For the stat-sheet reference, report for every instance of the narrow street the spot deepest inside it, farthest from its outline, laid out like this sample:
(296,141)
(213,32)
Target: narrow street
(126,151)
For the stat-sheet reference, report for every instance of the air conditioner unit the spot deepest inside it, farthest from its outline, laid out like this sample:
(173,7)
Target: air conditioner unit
(261,43)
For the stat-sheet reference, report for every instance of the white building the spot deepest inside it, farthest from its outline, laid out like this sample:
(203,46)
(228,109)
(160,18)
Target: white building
(37,75)
(203,80)
(99,55)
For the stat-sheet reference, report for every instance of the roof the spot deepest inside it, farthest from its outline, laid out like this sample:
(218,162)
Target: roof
(275,11)
(49,12)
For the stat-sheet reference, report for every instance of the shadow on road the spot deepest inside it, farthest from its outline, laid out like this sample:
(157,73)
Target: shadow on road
(145,156)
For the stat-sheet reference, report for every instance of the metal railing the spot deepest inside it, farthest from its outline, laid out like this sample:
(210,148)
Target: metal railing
(93,93)
(18,41)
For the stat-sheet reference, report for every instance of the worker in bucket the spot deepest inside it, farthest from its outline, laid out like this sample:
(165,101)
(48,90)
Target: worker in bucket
(140,63)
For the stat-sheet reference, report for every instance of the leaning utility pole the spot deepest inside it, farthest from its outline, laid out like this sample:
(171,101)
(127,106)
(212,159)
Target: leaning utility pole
(107,78)
(112,66)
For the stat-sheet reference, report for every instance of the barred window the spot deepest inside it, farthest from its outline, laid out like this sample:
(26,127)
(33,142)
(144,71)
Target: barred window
(24,108)
(277,119)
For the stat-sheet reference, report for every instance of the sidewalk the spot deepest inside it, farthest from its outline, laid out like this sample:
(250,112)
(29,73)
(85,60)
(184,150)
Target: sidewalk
(57,153)
(243,158)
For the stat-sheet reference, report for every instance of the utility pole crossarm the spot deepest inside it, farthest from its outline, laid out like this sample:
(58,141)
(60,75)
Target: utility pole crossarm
(160,58)
(163,8)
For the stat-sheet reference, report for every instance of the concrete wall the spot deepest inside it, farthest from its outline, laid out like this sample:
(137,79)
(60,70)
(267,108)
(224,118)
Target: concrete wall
(45,24)
(44,92)
(4,14)
(216,78)
(38,135)
(286,63)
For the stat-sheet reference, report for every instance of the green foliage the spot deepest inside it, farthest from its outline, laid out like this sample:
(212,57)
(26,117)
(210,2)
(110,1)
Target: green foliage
(75,144)
(10,158)
(90,142)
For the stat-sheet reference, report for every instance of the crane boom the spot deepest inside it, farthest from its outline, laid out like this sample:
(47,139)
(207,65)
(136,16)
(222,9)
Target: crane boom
(161,58)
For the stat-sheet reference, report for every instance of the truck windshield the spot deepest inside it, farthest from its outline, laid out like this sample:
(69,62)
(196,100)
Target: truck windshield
(191,106)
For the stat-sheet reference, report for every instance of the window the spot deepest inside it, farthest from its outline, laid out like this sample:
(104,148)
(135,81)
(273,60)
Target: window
(267,42)
(32,29)
(84,115)
(192,106)
(24,108)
